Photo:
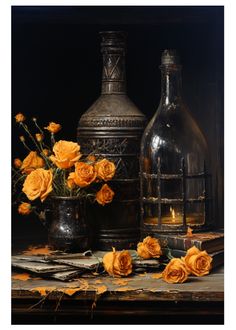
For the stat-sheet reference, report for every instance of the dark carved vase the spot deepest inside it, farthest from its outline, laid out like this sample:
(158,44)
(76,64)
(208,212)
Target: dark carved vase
(112,128)
(68,229)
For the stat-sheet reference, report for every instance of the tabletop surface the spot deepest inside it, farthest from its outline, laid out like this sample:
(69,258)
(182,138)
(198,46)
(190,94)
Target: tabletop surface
(144,286)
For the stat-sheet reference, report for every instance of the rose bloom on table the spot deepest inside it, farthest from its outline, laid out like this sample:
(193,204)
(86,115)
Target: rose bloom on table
(177,270)
(57,168)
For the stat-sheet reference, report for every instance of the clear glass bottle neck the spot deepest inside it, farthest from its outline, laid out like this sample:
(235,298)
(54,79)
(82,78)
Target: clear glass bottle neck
(171,85)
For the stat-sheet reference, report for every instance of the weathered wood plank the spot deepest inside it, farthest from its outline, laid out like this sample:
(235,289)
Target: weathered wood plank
(136,288)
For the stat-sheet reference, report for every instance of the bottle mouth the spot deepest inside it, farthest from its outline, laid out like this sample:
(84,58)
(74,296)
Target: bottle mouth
(170,57)
(113,40)
(113,33)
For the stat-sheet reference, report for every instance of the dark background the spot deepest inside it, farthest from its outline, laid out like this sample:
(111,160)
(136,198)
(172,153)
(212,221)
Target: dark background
(57,66)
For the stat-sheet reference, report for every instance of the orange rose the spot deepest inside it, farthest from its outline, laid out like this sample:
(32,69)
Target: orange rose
(66,154)
(31,162)
(84,174)
(53,127)
(198,262)
(105,195)
(149,248)
(39,137)
(118,263)
(105,169)
(38,184)
(19,117)
(70,180)
(17,163)
(24,208)
(175,271)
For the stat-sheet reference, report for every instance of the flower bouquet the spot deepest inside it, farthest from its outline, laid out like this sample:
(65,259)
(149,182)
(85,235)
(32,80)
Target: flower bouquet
(58,170)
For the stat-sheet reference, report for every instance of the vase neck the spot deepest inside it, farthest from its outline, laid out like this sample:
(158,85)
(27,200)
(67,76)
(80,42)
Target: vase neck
(113,51)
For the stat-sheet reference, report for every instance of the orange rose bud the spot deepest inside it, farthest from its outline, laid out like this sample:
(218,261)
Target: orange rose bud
(198,262)
(24,208)
(70,180)
(17,163)
(91,158)
(84,175)
(20,117)
(149,248)
(22,138)
(105,195)
(31,162)
(175,271)
(38,184)
(105,169)
(46,152)
(66,154)
(118,263)
(53,127)
(39,137)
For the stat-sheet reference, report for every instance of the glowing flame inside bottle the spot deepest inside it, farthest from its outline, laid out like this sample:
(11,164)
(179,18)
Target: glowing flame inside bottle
(172,211)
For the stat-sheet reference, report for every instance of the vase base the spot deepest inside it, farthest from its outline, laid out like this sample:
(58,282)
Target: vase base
(80,244)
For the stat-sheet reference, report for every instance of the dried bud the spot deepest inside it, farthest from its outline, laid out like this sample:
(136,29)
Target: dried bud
(24,208)
(17,163)
(20,117)
(22,138)
(46,152)
(39,137)
(53,127)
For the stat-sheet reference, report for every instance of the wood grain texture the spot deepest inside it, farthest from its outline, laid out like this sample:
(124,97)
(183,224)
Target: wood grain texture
(139,288)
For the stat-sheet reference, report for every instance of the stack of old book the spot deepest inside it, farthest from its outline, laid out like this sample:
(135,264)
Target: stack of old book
(177,245)
(66,266)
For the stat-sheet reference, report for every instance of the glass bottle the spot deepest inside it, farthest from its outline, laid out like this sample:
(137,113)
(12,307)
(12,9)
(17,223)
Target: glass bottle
(173,160)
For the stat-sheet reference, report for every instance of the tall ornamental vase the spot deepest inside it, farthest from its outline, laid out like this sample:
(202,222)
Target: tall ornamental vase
(68,229)
(112,127)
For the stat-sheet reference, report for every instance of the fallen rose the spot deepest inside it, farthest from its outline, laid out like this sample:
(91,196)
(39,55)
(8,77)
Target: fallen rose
(118,263)
(198,262)
(175,271)
(149,248)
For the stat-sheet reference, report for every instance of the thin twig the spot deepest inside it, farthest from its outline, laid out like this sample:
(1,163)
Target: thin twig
(59,301)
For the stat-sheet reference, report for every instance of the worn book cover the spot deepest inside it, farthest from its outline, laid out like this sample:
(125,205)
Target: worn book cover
(210,241)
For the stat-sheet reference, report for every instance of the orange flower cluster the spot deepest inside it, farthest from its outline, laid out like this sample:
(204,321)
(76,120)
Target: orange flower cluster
(86,173)
(60,170)
(195,262)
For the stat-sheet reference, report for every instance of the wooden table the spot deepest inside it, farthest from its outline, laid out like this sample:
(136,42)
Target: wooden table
(135,300)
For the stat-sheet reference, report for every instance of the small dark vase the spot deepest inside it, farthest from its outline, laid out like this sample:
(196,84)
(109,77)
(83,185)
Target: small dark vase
(68,230)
